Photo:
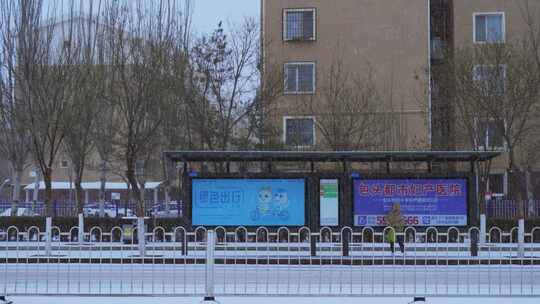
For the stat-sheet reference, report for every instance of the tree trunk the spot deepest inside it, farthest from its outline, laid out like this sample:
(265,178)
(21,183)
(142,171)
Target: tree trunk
(518,193)
(169,171)
(515,174)
(133,182)
(482,190)
(79,194)
(136,194)
(17,177)
(35,193)
(102,188)
(530,196)
(142,203)
(167,191)
(47,179)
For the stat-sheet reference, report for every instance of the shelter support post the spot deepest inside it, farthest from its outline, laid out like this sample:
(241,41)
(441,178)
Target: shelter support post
(313,245)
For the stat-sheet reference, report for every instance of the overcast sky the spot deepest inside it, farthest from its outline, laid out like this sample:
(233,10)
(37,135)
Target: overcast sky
(208,13)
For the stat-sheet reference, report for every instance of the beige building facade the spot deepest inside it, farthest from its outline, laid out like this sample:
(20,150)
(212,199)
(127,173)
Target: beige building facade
(387,40)
(404,43)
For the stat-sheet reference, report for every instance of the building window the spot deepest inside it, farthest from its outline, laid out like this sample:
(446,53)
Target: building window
(497,184)
(490,134)
(299,24)
(300,78)
(299,131)
(489,27)
(490,79)
(64,163)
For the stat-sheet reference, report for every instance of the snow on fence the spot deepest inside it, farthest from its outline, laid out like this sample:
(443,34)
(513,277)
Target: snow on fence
(272,262)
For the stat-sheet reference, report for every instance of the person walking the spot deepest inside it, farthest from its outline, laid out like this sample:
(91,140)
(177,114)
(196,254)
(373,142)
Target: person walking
(395,221)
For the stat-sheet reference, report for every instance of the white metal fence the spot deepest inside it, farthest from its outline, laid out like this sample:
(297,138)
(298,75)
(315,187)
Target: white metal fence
(512,209)
(274,262)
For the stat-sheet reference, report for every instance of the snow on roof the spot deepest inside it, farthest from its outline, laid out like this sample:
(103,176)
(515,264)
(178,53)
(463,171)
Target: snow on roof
(90,185)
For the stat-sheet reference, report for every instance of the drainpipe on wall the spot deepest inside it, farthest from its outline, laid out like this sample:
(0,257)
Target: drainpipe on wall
(430,131)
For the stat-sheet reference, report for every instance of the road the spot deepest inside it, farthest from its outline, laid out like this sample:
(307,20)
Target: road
(325,280)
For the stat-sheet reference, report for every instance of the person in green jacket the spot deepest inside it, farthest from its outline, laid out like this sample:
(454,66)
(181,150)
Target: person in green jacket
(395,220)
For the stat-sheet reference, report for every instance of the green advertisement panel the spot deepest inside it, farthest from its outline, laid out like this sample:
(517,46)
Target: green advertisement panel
(329,201)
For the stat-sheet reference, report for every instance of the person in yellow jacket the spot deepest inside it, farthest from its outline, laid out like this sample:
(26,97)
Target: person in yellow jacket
(395,220)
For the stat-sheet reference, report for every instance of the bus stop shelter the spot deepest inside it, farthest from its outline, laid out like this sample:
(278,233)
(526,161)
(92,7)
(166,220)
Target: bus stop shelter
(232,164)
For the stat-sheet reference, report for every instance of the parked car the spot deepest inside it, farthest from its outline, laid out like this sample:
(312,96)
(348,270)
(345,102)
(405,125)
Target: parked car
(20,212)
(109,209)
(160,210)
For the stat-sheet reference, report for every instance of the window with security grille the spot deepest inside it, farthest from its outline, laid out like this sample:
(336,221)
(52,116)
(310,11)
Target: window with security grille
(490,79)
(490,134)
(300,131)
(489,28)
(299,24)
(300,78)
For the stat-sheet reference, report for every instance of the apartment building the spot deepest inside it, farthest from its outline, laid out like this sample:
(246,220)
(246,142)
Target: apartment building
(406,43)
(481,22)
(387,39)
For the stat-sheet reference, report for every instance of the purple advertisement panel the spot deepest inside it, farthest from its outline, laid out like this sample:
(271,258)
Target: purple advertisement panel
(423,202)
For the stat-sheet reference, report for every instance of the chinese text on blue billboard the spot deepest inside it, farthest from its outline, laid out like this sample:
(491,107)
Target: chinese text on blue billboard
(248,202)
(423,202)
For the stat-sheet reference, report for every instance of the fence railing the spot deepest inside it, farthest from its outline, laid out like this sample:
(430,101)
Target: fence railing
(271,261)
(511,209)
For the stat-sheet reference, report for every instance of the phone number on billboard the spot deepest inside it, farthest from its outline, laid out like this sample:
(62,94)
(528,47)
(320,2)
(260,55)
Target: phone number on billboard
(413,220)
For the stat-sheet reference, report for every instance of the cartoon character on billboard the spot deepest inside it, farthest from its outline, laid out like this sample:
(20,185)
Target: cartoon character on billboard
(281,203)
(263,203)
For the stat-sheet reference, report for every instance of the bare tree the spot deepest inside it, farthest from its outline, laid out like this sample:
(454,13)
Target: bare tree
(43,72)
(86,104)
(530,14)
(140,39)
(14,136)
(226,79)
(176,131)
(497,100)
(351,119)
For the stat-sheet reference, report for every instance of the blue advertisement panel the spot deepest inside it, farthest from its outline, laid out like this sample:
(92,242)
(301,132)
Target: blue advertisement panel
(248,202)
(423,202)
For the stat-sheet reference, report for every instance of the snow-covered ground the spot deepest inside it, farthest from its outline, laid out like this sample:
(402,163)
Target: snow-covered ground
(284,280)
(266,300)
(268,269)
